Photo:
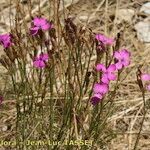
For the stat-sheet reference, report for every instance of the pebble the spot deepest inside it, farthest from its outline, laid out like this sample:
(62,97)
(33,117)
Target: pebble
(143,30)
(4,128)
(145,8)
(83,18)
(125,15)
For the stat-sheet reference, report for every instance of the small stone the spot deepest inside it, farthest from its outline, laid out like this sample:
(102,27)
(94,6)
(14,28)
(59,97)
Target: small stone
(146,8)
(4,128)
(83,18)
(143,30)
(39,100)
(125,15)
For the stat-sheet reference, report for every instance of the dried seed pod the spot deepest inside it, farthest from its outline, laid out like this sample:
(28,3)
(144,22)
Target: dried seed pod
(11,54)
(119,38)
(5,61)
(139,81)
(71,30)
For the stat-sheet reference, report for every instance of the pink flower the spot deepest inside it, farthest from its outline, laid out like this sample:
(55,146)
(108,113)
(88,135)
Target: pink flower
(99,90)
(145,77)
(40,23)
(107,73)
(104,40)
(123,58)
(5,40)
(39,61)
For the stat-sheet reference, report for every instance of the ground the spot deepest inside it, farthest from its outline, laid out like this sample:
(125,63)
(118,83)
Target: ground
(99,15)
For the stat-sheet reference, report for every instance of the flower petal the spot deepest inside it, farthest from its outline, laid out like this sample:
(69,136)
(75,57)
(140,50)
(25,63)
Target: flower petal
(111,68)
(103,39)
(126,62)
(5,40)
(100,88)
(110,41)
(125,53)
(105,79)
(112,76)
(99,37)
(104,88)
(96,88)
(34,30)
(117,55)
(44,57)
(36,21)
(100,67)
(96,99)
(46,26)
(39,21)
(145,77)
(119,65)
(39,64)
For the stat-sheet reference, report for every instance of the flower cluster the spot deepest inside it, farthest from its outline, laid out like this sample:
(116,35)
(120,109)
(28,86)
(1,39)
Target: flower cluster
(121,59)
(107,73)
(37,25)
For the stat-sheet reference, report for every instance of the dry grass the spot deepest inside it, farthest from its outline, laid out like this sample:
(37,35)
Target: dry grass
(128,103)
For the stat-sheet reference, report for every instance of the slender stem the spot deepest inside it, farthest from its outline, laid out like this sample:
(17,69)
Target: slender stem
(144,114)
